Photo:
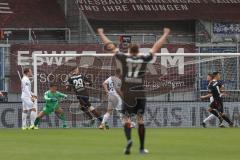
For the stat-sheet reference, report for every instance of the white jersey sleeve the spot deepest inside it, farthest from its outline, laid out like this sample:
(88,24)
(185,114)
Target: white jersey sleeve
(26,87)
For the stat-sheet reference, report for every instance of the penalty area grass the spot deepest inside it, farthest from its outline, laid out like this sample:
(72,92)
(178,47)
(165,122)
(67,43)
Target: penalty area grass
(94,144)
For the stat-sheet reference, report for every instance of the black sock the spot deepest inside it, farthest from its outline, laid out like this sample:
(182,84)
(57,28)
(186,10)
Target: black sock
(227,119)
(141,134)
(127,130)
(215,113)
(36,122)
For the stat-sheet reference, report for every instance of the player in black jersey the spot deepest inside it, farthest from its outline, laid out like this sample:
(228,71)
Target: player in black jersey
(133,71)
(78,81)
(211,116)
(216,107)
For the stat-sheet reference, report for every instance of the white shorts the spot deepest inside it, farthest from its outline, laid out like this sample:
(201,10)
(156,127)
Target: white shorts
(27,103)
(114,101)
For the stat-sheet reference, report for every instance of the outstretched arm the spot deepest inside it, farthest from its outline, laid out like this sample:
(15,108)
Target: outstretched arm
(62,95)
(161,41)
(108,44)
(46,98)
(206,96)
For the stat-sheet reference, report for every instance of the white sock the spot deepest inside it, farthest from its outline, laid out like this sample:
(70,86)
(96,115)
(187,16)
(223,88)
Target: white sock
(24,119)
(105,117)
(210,117)
(33,116)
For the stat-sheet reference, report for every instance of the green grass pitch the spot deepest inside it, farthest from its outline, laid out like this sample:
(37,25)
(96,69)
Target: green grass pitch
(94,144)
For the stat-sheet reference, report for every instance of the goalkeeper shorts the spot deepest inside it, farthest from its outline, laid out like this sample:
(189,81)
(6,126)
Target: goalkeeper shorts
(49,109)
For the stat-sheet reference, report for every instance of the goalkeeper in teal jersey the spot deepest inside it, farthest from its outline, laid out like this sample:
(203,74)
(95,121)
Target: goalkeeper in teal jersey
(52,98)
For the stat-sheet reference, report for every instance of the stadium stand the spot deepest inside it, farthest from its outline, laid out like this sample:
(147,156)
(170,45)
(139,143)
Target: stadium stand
(34,20)
(33,14)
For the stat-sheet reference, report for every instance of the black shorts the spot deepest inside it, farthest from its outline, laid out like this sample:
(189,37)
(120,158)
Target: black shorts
(138,108)
(84,101)
(218,105)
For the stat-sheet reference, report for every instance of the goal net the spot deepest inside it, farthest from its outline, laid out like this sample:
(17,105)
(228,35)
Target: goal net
(173,84)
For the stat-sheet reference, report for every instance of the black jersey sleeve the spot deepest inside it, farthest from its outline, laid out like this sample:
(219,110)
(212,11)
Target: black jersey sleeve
(210,89)
(120,56)
(220,84)
(148,57)
(87,79)
(69,82)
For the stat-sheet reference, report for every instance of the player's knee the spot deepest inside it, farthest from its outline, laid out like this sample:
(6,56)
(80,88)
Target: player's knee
(140,119)
(91,108)
(125,120)
(41,115)
(59,111)
(34,109)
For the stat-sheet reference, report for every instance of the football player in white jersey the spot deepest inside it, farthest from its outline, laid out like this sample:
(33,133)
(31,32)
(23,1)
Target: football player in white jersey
(112,87)
(28,99)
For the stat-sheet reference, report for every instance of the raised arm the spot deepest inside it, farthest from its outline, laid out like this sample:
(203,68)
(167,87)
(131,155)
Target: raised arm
(161,41)
(109,46)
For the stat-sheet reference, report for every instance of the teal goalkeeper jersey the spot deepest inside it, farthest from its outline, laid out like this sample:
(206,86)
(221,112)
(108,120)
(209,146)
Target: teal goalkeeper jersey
(49,96)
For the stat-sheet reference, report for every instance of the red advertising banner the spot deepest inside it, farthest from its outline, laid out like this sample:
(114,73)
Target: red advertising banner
(155,10)
(21,57)
(158,79)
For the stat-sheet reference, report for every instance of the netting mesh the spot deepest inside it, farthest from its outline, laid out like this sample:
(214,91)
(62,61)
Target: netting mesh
(173,86)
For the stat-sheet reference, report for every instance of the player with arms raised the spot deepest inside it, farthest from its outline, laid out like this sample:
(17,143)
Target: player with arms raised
(133,71)
(78,82)
(28,99)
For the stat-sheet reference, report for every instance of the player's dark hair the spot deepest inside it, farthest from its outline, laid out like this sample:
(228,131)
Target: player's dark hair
(214,74)
(52,85)
(118,71)
(210,74)
(26,70)
(134,48)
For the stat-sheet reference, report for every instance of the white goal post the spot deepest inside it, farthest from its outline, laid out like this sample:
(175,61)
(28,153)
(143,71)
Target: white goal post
(174,81)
